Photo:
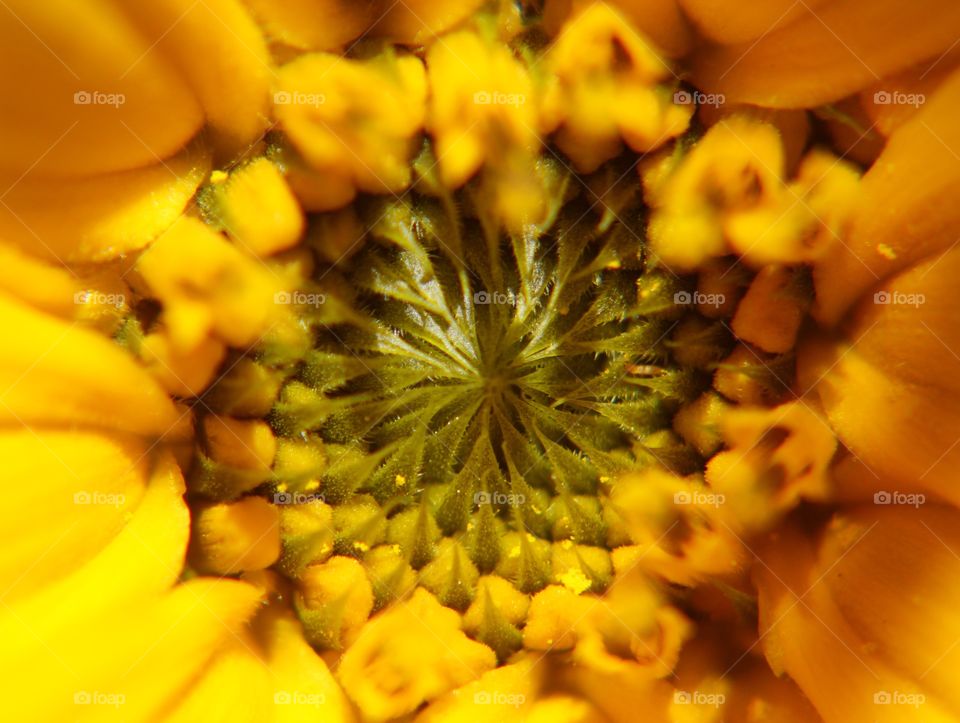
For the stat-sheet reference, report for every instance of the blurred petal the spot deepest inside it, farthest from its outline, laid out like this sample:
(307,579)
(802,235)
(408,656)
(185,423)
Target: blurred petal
(55,374)
(908,210)
(418,21)
(218,48)
(95,99)
(837,621)
(729,22)
(116,654)
(827,53)
(313,24)
(101,217)
(90,483)
(149,549)
(892,392)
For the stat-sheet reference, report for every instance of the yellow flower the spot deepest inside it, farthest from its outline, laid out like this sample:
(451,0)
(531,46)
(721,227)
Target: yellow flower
(567,361)
(352,121)
(606,84)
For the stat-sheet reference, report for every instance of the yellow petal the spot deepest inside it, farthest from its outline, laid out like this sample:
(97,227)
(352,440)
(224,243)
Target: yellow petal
(130,660)
(86,486)
(92,98)
(313,24)
(235,686)
(503,695)
(60,374)
(149,550)
(827,53)
(908,211)
(219,50)
(41,285)
(417,21)
(101,217)
(303,688)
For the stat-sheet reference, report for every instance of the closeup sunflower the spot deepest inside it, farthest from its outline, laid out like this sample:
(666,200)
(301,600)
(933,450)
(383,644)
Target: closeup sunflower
(428,361)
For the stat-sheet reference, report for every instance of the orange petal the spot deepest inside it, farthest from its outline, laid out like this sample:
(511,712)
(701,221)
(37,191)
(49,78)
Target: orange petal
(814,621)
(826,53)
(909,209)
(220,51)
(93,98)
(730,22)
(417,21)
(313,24)
(892,392)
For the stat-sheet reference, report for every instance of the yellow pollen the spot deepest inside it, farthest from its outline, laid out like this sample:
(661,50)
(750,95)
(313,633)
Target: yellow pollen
(575,581)
(886,251)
